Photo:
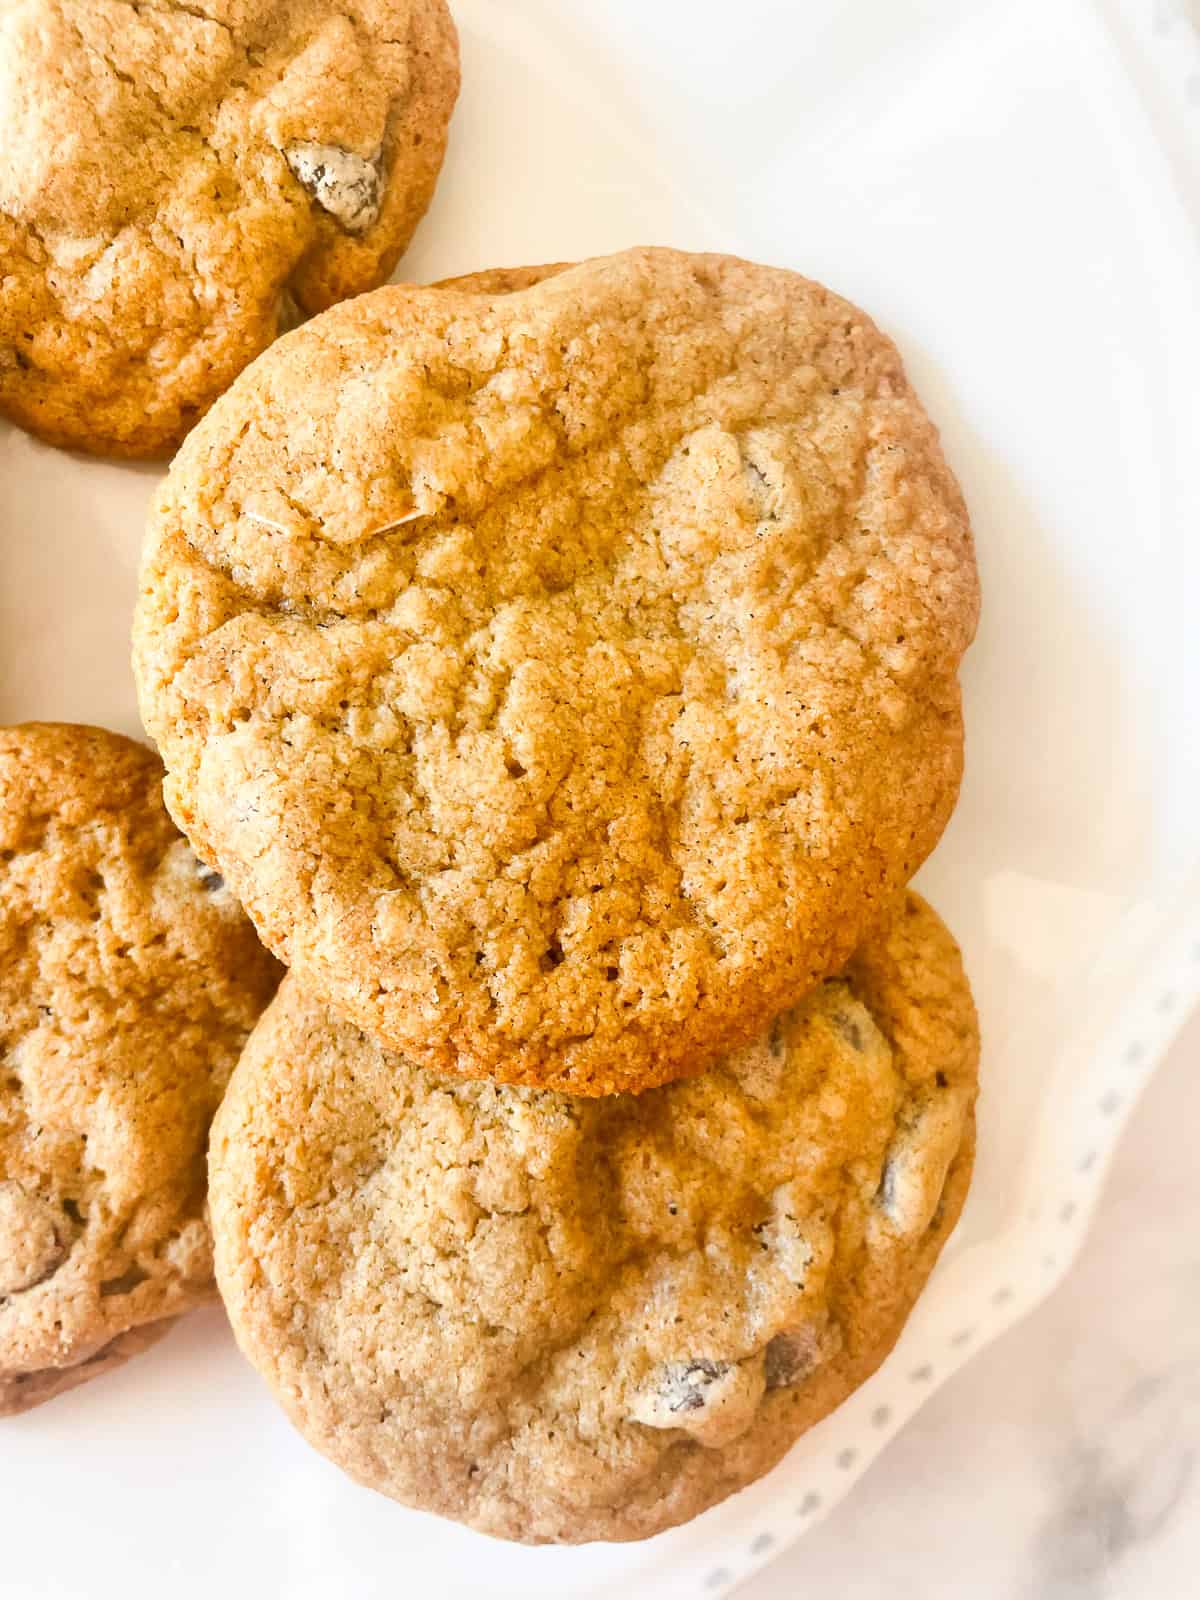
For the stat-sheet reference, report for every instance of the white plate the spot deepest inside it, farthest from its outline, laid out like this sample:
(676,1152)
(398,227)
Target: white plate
(981,179)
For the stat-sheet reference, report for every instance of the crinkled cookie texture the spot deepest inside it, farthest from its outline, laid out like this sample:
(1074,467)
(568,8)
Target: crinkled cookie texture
(129,979)
(170,172)
(565,679)
(559,1319)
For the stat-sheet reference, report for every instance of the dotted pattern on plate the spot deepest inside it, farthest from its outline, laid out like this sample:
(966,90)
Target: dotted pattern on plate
(1109,1096)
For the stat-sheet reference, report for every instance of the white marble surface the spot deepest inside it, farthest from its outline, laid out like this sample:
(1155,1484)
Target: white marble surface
(1061,1464)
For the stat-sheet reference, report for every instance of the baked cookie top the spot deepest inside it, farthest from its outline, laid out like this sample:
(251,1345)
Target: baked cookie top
(564,1319)
(129,979)
(169,172)
(564,679)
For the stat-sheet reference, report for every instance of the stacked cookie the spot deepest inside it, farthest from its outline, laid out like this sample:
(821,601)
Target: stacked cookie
(563,1319)
(560,666)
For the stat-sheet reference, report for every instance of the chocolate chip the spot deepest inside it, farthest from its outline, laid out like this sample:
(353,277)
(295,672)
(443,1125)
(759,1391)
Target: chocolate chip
(885,1195)
(345,185)
(928,1133)
(208,877)
(849,1029)
(795,1354)
(684,1383)
(785,1362)
(712,1400)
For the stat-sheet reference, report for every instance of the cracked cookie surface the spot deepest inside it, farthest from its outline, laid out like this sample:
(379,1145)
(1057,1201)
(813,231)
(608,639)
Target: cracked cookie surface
(563,1319)
(565,679)
(129,979)
(170,171)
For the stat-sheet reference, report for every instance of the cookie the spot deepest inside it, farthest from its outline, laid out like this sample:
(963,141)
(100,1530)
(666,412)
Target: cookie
(22,1391)
(503,280)
(129,979)
(565,679)
(559,1319)
(171,175)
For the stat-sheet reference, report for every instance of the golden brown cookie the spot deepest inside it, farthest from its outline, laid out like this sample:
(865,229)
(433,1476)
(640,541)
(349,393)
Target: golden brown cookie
(504,280)
(559,1319)
(169,173)
(129,979)
(564,679)
(22,1391)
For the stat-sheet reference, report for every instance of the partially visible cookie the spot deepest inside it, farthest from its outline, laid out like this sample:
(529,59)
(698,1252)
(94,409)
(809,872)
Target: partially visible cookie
(169,173)
(503,280)
(129,979)
(565,679)
(21,1391)
(559,1319)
